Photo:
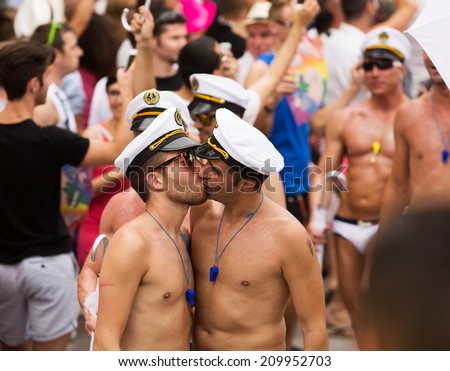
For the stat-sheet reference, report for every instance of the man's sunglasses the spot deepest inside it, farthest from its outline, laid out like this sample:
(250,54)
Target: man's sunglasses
(204,118)
(381,64)
(187,157)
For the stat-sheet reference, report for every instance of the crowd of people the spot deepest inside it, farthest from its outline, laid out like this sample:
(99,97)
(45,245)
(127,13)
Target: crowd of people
(198,138)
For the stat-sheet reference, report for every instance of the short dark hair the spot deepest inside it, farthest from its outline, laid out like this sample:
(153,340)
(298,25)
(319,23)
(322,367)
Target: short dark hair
(406,299)
(111,79)
(7,15)
(353,9)
(41,34)
(198,56)
(138,174)
(166,17)
(20,61)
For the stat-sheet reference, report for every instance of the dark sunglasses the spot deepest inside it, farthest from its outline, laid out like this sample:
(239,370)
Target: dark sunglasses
(204,118)
(382,64)
(187,157)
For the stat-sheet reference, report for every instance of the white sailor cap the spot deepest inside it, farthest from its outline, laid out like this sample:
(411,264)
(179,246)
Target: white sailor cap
(166,133)
(146,106)
(212,92)
(258,13)
(386,43)
(238,143)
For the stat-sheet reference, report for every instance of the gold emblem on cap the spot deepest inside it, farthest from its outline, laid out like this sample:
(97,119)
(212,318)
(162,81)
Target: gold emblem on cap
(151,97)
(194,84)
(178,118)
(383,37)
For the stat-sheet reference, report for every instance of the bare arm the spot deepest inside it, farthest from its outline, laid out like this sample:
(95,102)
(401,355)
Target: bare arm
(403,15)
(99,152)
(330,160)
(142,27)
(321,118)
(122,272)
(395,196)
(265,84)
(82,15)
(302,274)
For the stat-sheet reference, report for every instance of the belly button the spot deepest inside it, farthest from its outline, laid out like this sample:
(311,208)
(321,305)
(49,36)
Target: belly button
(245,283)
(420,156)
(166,295)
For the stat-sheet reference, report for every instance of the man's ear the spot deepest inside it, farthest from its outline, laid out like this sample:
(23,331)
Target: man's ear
(34,85)
(155,181)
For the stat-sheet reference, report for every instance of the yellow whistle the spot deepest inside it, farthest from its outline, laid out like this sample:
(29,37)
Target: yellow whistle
(376,147)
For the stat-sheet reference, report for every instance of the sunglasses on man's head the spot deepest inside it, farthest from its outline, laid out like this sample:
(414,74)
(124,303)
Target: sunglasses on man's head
(187,157)
(381,64)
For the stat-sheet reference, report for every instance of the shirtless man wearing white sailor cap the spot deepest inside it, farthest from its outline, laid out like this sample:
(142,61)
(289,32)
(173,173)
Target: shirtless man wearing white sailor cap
(252,257)
(146,283)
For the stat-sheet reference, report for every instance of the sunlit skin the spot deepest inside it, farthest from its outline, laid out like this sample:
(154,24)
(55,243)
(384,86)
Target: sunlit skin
(71,52)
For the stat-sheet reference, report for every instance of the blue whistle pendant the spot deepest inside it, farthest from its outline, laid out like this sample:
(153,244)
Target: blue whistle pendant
(190,296)
(213,272)
(445,156)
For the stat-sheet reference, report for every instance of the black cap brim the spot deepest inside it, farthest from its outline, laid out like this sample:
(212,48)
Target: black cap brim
(198,106)
(207,152)
(143,123)
(381,54)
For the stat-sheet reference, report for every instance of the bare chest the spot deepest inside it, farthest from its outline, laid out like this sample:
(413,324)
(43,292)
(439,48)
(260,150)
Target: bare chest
(363,136)
(428,140)
(247,259)
(169,274)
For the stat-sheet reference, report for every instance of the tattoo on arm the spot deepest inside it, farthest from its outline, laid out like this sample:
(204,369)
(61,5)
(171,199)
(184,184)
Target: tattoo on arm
(311,249)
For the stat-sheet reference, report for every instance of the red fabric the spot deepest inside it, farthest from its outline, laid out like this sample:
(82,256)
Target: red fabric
(89,226)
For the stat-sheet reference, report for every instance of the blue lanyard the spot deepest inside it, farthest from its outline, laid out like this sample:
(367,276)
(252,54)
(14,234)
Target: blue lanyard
(190,293)
(445,141)
(214,270)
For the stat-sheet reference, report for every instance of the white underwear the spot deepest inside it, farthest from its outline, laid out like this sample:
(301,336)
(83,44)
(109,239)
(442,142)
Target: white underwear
(358,232)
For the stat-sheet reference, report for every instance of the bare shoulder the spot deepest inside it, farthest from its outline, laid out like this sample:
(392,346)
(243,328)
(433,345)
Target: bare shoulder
(120,209)
(347,115)
(413,111)
(130,234)
(291,235)
(354,111)
(286,223)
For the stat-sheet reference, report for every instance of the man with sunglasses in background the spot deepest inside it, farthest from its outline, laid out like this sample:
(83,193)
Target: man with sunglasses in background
(146,284)
(364,132)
